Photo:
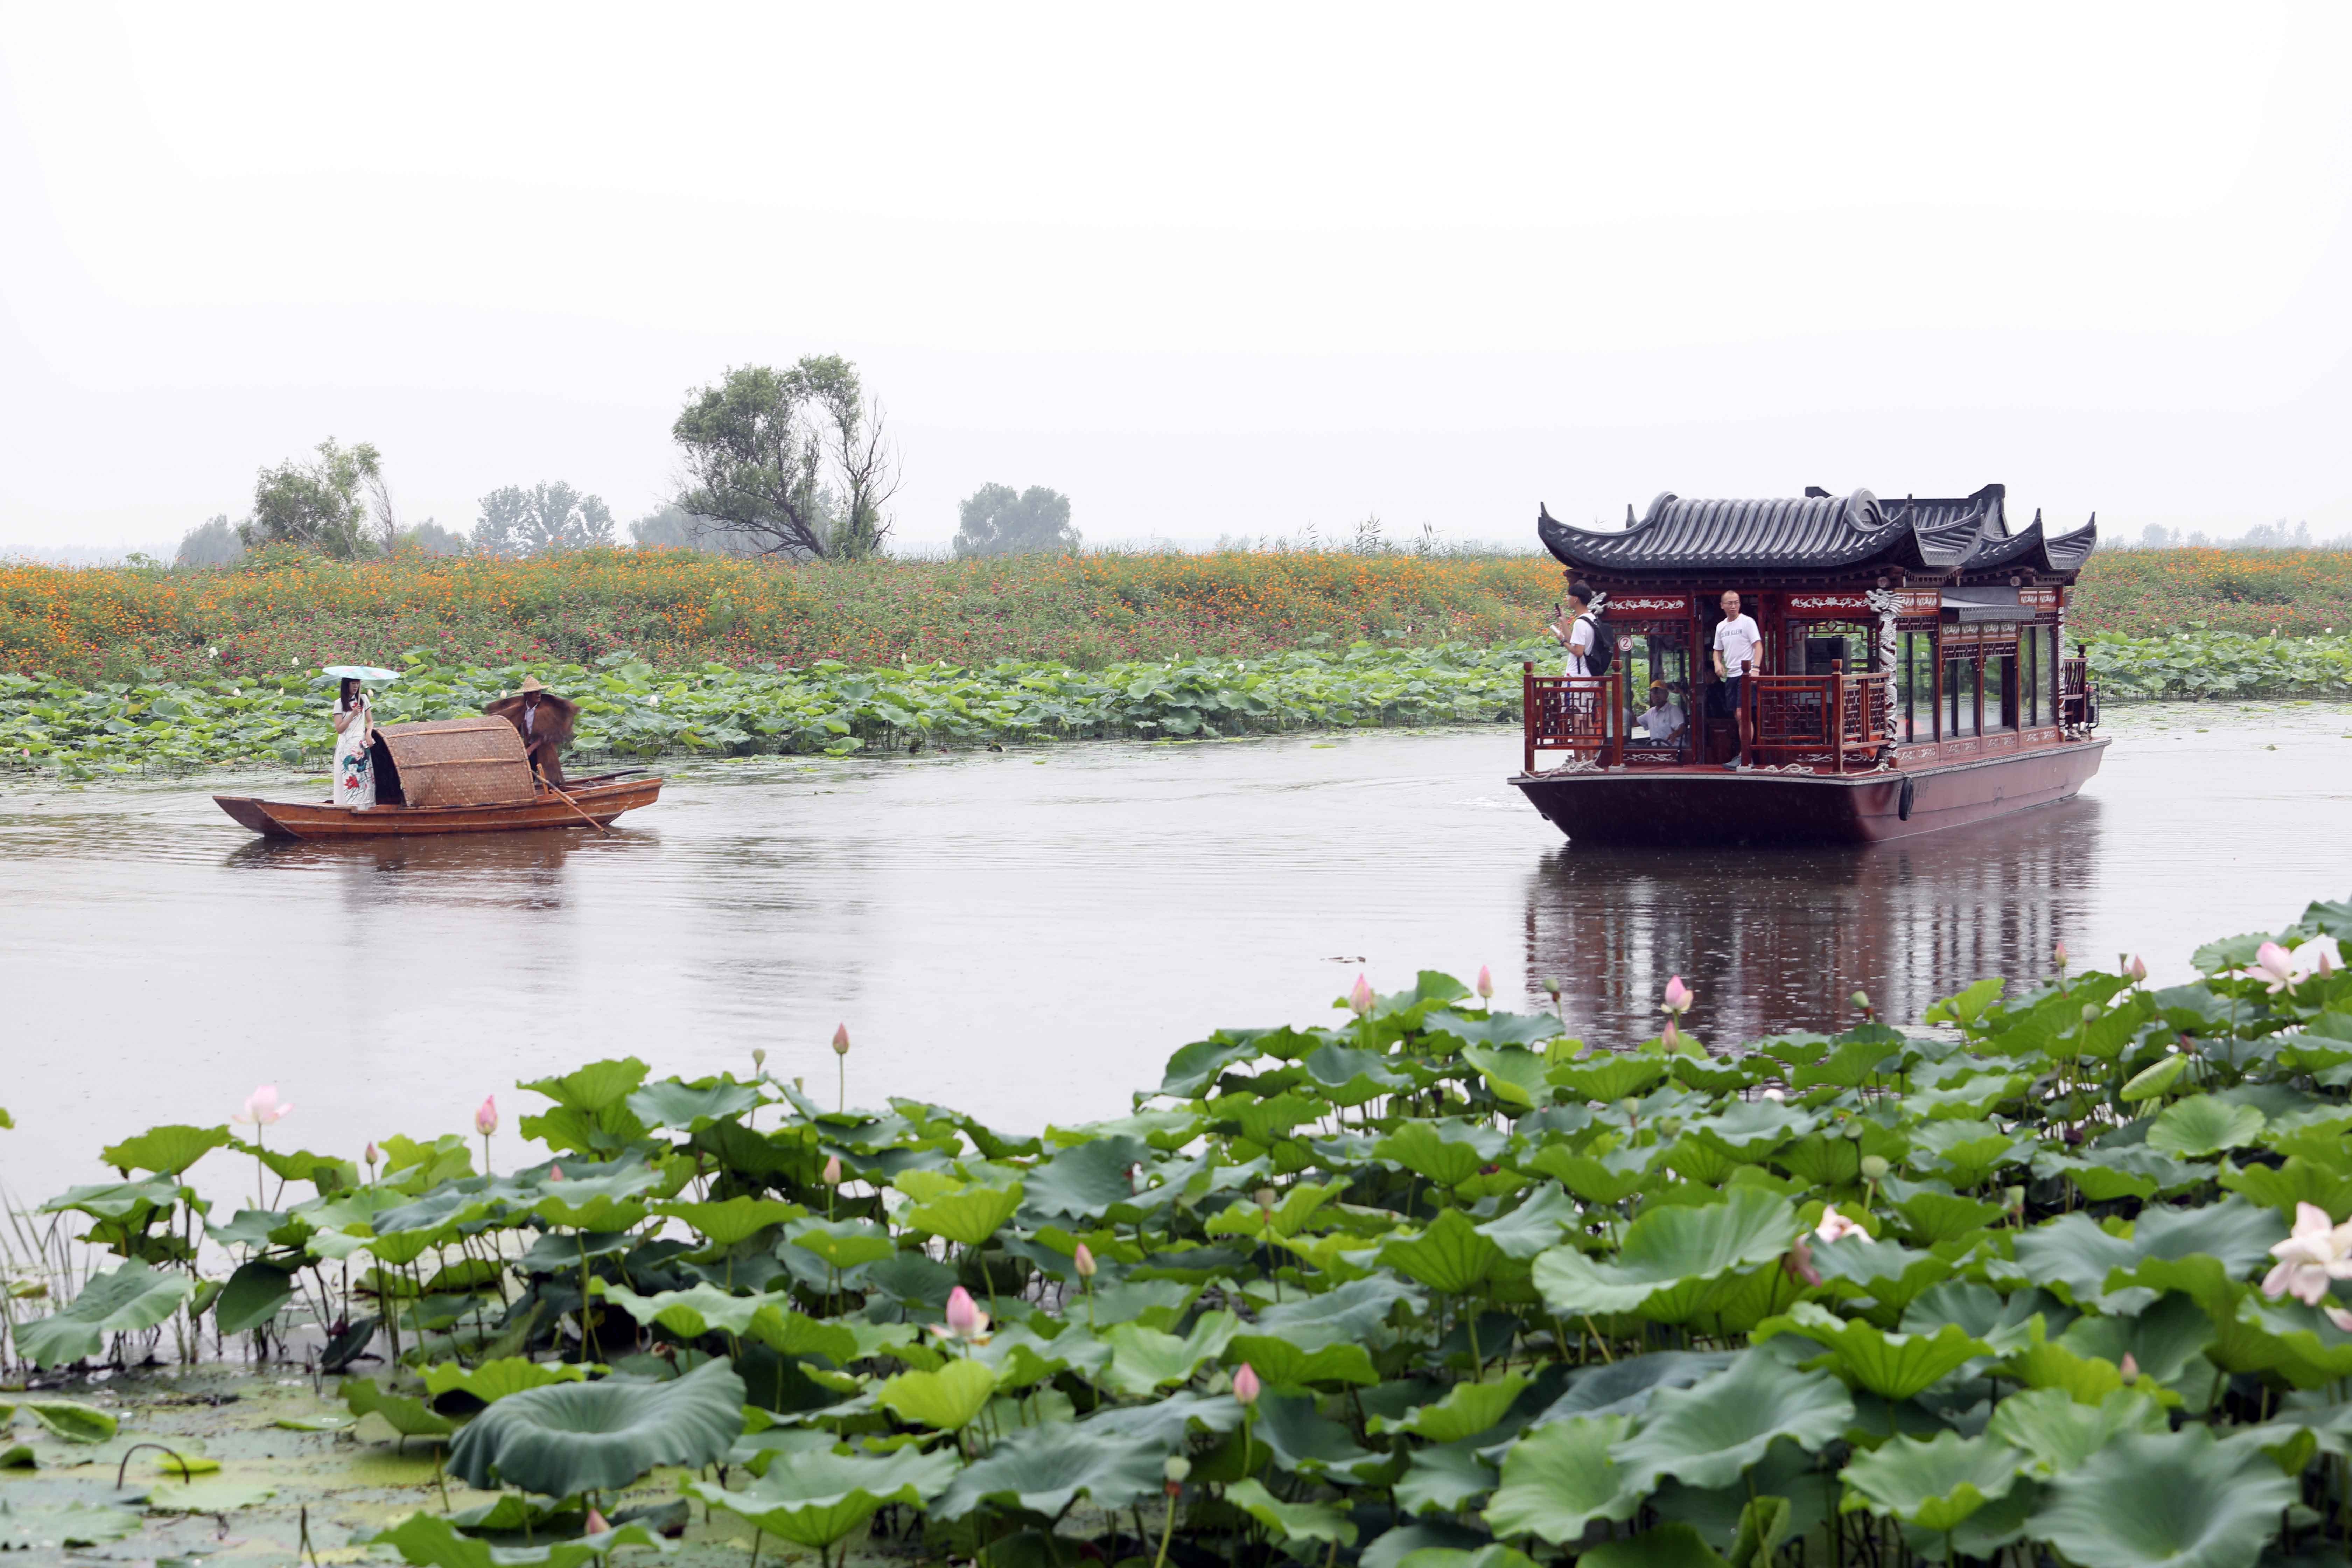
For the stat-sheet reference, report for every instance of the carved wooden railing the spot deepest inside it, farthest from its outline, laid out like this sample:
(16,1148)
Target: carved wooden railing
(1582,715)
(2077,703)
(1833,721)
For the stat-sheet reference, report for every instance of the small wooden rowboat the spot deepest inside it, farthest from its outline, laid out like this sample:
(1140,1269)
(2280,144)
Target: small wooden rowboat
(460,775)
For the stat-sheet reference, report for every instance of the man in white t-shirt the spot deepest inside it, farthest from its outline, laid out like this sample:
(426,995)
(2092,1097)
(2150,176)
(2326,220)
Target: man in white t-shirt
(1661,721)
(1574,627)
(1737,646)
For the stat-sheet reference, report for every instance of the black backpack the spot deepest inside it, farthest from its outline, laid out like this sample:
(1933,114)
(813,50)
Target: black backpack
(1603,651)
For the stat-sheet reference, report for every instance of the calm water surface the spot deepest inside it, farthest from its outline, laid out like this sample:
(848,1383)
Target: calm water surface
(1028,936)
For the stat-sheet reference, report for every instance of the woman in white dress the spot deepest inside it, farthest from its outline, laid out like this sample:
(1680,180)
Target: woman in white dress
(354,721)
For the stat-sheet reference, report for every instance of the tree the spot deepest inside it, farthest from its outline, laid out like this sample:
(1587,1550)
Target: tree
(997,520)
(429,538)
(339,505)
(791,462)
(675,528)
(214,543)
(518,522)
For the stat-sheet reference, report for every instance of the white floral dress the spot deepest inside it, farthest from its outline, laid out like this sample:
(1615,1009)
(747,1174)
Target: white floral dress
(354,774)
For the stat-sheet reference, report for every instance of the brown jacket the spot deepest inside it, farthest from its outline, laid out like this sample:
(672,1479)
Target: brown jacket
(545,728)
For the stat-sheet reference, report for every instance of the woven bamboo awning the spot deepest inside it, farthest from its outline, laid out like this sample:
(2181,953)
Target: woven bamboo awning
(459,762)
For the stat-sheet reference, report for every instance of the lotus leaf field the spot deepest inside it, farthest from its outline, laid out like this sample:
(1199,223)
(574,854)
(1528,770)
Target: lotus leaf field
(629,709)
(2059,1274)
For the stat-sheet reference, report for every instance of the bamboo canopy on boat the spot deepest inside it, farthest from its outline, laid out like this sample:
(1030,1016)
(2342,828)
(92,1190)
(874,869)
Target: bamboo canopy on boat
(456,762)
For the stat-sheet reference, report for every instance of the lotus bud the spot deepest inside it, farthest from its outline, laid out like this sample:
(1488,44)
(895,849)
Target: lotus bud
(1670,1037)
(486,1115)
(1082,1260)
(2130,1367)
(1678,996)
(1265,1198)
(1798,1263)
(841,1040)
(2137,969)
(595,1523)
(1860,1000)
(965,1320)
(1246,1387)
(2090,1012)
(832,1172)
(1629,1107)
(1874,1167)
(374,1155)
(1178,1469)
(1486,983)
(2014,1197)
(555,1172)
(1359,996)
(759,1058)
(2059,953)
(1552,989)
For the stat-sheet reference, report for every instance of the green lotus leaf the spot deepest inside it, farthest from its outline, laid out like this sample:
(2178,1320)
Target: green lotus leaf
(1514,1075)
(1708,1434)
(430,1540)
(599,1086)
(252,1297)
(1968,1152)
(115,1301)
(28,1526)
(731,1220)
(1281,1365)
(2178,1499)
(1445,1479)
(1447,1153)
(845,1244)
(696,1310)
(1287,1217)
(2202,1124)
(211,1495)
(1610,1078)
(71,1419)
(1045,1468)
(2057,1432)
(19,1457)
(1533,1227)
(1624,1387)
(1891,1365)
(1344,1315)
(1558,1478)
(2074,1255)
(1467,1409)
(2281,1188)
(1668,1248)
(1145,1360)
(1292,1520)
(1493,1028)
(1932,1217)
(2164,1339)
(1606,1179)
(1451,1256)
(1668,1546)
(600,1436)
(691,1105)
(2150,1082)
(1020,1356)
(1934,1485)
(945,1400)
(166,1150)
(1087,1180)
(1851,1065)
(820,1498)
(1306,1442)
(2007,1323)
(409,1417)
(968,1218)
(494,1380)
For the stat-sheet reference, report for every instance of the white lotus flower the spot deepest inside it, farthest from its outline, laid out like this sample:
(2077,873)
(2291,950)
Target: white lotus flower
(2314,1253)
(1834,1226)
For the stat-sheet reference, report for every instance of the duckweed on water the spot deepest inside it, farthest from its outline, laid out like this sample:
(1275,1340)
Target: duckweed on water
(629,709)
(1427,1288)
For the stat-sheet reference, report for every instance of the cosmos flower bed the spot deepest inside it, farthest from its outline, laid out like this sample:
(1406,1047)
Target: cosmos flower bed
(1428,1285)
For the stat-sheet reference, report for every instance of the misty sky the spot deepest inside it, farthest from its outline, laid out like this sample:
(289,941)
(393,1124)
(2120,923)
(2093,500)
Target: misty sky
(1207,269)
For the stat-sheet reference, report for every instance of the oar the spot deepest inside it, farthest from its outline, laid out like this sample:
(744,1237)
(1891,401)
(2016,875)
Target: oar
(573,804)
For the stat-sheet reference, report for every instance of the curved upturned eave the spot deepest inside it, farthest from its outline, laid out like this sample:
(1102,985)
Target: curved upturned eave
(1773,536)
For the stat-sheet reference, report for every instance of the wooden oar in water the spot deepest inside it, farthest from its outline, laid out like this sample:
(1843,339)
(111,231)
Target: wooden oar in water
(574,805)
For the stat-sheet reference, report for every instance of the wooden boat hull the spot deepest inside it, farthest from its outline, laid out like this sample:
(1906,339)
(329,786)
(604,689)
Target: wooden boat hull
(1705,805)
(289,819)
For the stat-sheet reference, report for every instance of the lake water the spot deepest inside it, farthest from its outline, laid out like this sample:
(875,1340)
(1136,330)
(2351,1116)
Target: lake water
(1028,935)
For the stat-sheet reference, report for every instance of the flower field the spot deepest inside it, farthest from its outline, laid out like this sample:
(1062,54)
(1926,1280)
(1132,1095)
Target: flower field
(629,709)
(2152,592)
(1426,1285)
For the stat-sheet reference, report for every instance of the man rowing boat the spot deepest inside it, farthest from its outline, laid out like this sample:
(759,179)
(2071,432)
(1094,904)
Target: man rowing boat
(544,721)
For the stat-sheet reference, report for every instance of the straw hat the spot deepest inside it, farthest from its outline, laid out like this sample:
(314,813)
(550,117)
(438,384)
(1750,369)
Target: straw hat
(529,684)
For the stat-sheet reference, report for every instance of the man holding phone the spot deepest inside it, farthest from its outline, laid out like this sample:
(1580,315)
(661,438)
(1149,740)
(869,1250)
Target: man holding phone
(1736,643)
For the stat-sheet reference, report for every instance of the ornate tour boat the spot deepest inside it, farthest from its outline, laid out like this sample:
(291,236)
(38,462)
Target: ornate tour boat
(1911,674)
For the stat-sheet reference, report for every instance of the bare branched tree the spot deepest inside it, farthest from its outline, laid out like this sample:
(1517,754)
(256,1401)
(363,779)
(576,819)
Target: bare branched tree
(761,446)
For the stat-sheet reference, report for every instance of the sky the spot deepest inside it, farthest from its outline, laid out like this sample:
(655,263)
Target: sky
(1209,271)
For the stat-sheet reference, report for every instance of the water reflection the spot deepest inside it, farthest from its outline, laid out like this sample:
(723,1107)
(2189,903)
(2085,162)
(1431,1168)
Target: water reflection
(1779,939)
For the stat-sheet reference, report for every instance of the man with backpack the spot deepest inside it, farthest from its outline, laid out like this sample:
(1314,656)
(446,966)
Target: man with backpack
(1591,647)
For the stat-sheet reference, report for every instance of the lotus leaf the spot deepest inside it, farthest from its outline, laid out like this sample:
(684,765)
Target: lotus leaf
(167,1151)
(1891,1365)
(1087,1180)
(1292,1520)
(1345,1313)
(1144,1361)
(732,1220)
(1515,1076)
(27,1526)
(210,1496)
(2057,1432)
(2151,1082)
(1606,1179)
(1445,1479)
(691,1105)
(2176,1498)
(2203,1124)
(945,1400)
(1046,1469)
(696,1310)
(1452,1255)
(1934,1485)
(1560,1478)
(599,1086)
(407,1417)
(1467,1409)
(1166,1424)
(821,1498)
(252,1297)
(1623,1387)
(1446,1152)
(494,1380)
(1533,1227)
(425,1539)
(1668,1546)
(967,1217)
(1670,1249)
(115,1301)
(584,1438)
(2074,1255)
(1707,1433)
(1281,1364)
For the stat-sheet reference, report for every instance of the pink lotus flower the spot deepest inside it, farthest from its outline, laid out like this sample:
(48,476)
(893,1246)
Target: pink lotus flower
(1486,983)
(1678,996)
(1246,1387)
(262,1106)
(832,1172)
(2276,962)
(965,1320)
(1798,1263)
(2059,953)
(555,1172)
(2137,972)
(1082,1260)
(374,1154)
(486,1115)
(841,1040)
(2128,1367)
(2339,1317)
(1835,1226)
(1671,1037)
(2314,1253)
(1359,996)
(595,1523)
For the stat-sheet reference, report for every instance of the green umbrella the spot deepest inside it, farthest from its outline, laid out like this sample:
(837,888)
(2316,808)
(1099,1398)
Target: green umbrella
(360,672)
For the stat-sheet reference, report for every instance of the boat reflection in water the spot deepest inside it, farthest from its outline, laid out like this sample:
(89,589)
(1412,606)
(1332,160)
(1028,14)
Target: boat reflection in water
(469,871)
(1774,940)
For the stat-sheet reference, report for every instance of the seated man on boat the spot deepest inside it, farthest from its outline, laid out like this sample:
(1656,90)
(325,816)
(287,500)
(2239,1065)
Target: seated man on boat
(1662,723)
(545,722)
